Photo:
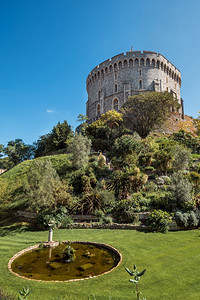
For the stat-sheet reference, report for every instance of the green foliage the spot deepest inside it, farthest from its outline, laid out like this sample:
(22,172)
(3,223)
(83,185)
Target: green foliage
(105,220)
(127,181)
(182,158)
(69,254)
(136,279)
(104,131)
(16,151)
(80,149)
(181,190)
(142,112)
(188,140)
(90,202)
(59,216)
(24,293)
(126,211)
(108,201)
(195,179)
(39,185)
(159,220)
(161,200)
(187,219)
(164,156)
(57,139)
(126,144)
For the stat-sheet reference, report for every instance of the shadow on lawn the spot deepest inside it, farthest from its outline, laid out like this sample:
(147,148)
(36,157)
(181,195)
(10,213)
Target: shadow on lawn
(11,227)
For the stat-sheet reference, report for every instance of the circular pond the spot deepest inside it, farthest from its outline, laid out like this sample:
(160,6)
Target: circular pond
(88,260)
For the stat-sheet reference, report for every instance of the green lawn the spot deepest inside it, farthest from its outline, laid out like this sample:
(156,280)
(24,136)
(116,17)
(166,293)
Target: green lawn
(172,261)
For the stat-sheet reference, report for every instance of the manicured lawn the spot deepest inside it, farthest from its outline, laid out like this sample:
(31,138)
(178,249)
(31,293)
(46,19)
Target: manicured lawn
(172,261)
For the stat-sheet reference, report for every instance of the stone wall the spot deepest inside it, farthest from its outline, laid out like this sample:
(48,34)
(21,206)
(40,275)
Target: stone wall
(111,83)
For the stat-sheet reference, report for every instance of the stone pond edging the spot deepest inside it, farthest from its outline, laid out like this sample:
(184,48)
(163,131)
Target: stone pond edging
(106,246)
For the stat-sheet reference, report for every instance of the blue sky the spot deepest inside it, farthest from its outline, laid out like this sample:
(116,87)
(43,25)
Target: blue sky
(48,47)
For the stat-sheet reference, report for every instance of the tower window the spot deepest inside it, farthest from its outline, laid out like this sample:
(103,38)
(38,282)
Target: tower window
(98,110)
(140,84)
(115,88)
(140,72)
(116,104)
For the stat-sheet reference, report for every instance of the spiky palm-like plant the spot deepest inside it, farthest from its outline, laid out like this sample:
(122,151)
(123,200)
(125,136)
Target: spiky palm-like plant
(136,279)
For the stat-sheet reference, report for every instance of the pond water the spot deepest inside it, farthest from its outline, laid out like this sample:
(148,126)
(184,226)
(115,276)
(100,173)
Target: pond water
(47,264)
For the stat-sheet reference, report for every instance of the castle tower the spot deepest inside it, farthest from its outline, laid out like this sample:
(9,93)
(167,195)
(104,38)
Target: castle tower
(111,83)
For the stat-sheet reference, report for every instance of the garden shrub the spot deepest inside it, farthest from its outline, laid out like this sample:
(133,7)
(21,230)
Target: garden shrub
(127,211)
(108,200)
(187,219)
(161,200)
(59,216)
(106,220)
(159,220)
(181,190)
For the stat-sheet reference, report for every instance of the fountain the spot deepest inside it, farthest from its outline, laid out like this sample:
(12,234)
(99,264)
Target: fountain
(67,261)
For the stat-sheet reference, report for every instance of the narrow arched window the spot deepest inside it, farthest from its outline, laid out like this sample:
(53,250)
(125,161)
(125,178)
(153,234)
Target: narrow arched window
(148,62)
(110,68)
(142,62)
(98,110)
(115,89)
(125,63)
(158,64)
(120,65)
(153,63)
(136,62)
(140,84)
(130,63)
(115,67)
(116,104)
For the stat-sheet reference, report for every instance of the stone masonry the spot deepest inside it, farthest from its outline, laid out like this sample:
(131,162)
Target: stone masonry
(111,83)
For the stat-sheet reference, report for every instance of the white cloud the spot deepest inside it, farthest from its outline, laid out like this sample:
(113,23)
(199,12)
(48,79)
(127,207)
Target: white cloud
(50,111)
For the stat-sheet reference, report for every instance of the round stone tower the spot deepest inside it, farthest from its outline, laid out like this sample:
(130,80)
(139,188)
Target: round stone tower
(111,83)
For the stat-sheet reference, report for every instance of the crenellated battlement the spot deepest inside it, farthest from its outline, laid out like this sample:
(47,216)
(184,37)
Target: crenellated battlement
(134,55)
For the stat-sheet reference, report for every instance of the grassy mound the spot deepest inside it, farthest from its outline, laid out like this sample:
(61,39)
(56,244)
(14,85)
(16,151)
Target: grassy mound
(12,180)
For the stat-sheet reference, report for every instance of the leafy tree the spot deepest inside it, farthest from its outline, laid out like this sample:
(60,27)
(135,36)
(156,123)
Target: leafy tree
(1,150)
(82,119)
(188,140)
(195,179)
(165,154)
(57,139)
(17,151)
(125,144)
(105,130)
(182,158)
(142,112)
(39,186)
(181,190)
(80,149)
